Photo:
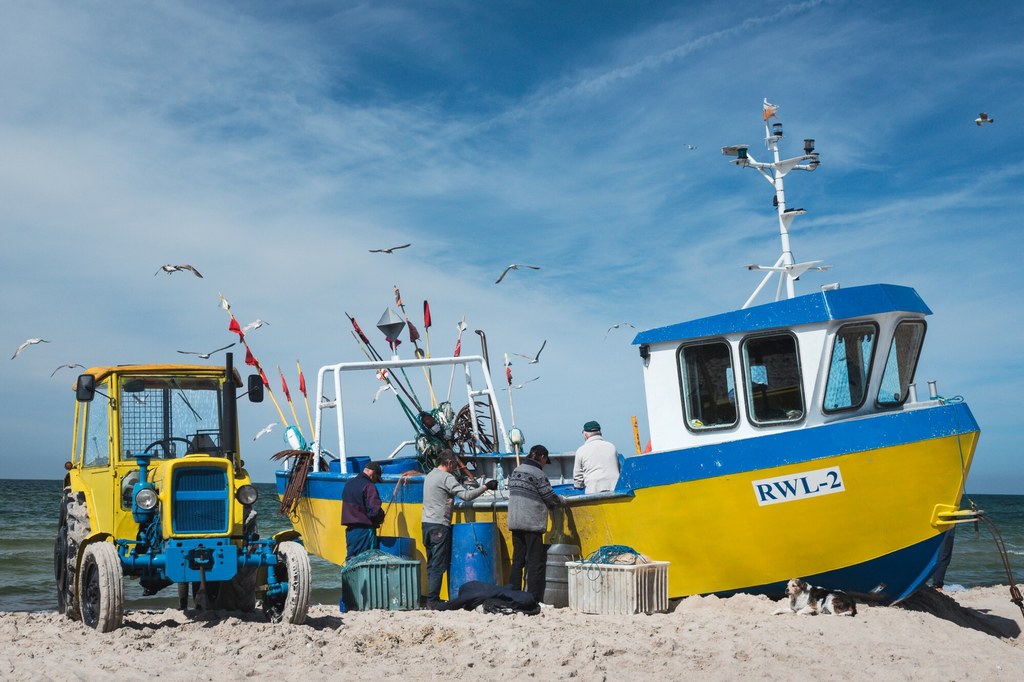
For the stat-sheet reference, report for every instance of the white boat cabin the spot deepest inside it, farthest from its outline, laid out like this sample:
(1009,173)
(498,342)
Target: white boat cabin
(791,364)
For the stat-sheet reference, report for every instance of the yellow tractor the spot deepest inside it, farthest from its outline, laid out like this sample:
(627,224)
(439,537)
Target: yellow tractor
(156,490)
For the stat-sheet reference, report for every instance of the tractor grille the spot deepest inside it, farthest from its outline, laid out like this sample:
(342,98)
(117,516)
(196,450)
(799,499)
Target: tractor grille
(200,499)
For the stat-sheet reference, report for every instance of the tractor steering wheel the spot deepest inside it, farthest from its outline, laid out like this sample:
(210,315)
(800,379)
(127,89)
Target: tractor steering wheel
(166,444)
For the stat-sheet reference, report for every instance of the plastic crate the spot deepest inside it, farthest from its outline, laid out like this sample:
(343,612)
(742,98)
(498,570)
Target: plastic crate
(393,585)
(613,589)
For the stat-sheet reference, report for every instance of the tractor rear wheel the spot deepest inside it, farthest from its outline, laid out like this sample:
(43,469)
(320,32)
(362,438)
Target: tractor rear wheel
(72,530)
(101,587)
(292,568)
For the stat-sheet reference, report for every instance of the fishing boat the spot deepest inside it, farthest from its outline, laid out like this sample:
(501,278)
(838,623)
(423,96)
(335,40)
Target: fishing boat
(787,439)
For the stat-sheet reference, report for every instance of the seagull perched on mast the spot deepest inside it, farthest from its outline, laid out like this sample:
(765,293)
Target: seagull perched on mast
(171,269)
(536,358)
(514,266)
(983,118)
(391,249)
(28,342)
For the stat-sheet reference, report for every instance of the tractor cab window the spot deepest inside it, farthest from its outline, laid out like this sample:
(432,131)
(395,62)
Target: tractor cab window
(852,350)
(709,395)
(170,416)
(772,375)
(902,362)
(97,433)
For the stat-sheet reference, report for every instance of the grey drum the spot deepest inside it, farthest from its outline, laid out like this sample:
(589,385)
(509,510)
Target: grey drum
(556,577)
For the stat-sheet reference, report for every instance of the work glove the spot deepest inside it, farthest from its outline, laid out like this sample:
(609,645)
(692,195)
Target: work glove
(491,484)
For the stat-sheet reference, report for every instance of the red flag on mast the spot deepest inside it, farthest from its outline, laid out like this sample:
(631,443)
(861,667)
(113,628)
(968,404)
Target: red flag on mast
(250,359)
(302,383)
(414,335)
(284,386)
(236,328)
(458,348)
(426,315)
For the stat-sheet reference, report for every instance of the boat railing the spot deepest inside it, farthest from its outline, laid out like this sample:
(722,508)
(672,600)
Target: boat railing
(329,379)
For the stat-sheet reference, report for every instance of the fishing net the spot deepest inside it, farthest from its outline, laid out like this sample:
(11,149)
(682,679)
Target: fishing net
(372,557)
(621,555)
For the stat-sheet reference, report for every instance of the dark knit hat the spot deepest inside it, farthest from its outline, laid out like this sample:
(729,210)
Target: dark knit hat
(591,427)
(372,466)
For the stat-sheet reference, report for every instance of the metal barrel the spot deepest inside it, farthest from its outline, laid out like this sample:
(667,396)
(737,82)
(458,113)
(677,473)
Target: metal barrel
(556,576)
(474,555)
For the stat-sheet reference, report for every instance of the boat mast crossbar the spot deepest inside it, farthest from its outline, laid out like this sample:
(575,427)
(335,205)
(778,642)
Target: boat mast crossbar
(774,171)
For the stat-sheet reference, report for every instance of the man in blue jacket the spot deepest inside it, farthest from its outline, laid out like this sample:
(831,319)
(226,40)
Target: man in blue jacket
(361,511)
(529,498)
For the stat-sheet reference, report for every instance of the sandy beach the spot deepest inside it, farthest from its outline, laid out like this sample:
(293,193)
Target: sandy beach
(974,634)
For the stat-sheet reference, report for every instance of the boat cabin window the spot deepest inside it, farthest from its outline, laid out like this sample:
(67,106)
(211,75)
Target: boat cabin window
(772,377)
(902,362)
(709,395)
(852,350)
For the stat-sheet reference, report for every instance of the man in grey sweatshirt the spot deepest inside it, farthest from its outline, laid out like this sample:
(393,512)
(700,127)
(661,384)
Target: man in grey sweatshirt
(440,488)
(529,498)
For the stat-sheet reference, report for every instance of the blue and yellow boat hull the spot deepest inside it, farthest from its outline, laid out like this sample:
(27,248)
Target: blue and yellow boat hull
(852,505)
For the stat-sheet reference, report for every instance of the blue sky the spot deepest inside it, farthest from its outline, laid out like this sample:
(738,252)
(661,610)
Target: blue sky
(271,145)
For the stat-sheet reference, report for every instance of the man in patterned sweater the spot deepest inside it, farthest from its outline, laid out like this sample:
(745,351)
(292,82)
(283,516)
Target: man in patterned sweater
(529,497)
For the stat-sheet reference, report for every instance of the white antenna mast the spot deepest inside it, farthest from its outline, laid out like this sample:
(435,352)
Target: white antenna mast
(787,270)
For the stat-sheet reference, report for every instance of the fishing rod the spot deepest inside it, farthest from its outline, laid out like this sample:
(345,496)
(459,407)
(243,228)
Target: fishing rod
(302,389)
(250,359)
(288,397)
(514,434)
(458,350)
(373,355)
(414,337)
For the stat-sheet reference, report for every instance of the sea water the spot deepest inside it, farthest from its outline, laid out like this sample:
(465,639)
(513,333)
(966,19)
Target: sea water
(29,511)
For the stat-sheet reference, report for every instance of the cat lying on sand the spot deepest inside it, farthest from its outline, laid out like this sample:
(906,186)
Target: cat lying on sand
(807,600)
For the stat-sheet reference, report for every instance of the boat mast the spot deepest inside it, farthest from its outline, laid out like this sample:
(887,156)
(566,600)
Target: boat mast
(787,269)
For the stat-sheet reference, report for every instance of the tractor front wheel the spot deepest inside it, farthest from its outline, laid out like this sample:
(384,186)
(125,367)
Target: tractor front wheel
(101,587)
(292,568)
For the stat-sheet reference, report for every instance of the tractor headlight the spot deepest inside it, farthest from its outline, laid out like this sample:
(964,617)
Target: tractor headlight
(146,499)
(247,494)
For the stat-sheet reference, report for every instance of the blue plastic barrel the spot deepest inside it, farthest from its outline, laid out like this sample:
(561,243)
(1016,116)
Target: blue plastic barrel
(474,555)
(396,546)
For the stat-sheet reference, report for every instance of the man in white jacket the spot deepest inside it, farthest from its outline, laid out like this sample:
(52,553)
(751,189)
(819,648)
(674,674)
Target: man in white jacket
(596,468)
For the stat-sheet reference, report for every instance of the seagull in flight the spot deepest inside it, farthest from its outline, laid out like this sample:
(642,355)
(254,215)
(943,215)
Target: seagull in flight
(205,356)
(983,118)
(536,358)
(520,385)
(265,430)
(616,326)
(69,365)
(390,249)
(28,342)
(514,266)
(691,147)
(255,324)
(171,269)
